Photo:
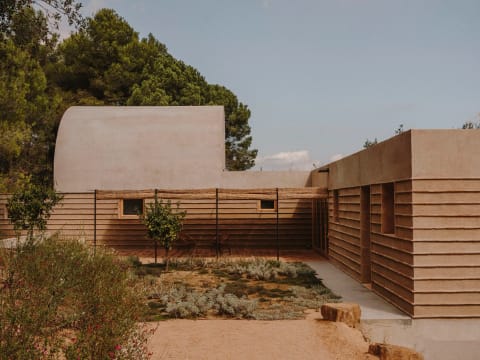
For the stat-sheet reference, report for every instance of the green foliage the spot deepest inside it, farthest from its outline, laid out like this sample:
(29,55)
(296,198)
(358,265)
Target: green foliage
(472,124)
(54,10)
(261,269)
(163,224)
(27,108)
(30,207)
(180,302)
(399,130)
(61,300)
(368,143)
(103,63)
(12,141)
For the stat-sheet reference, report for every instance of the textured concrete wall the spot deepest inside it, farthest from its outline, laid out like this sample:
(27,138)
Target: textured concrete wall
(387,161)
(445,154)
(112,147)
(132,148)
(265,179)
(319,178)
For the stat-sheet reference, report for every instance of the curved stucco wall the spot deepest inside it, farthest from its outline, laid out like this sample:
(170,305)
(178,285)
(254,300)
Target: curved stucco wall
(113,147)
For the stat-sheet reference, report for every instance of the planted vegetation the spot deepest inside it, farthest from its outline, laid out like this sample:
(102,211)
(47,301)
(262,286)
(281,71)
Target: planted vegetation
(248,288)
(61,300)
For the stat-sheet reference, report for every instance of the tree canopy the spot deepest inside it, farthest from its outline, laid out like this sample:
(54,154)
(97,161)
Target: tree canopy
(103,62)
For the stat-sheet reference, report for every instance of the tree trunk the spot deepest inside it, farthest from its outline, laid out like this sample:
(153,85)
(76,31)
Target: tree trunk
(156,246)
(30,235)
(166,258)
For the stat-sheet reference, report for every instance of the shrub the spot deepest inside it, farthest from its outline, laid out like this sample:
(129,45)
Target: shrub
(59,299)
(262,269)
(30,207)
(180,302)
(230,304)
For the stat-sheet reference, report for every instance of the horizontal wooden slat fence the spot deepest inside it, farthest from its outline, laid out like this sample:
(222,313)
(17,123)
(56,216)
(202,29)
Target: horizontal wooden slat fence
(216,217)
(213,216)
(223,194)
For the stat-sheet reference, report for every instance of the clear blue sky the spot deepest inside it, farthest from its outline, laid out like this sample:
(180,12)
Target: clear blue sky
(321,76)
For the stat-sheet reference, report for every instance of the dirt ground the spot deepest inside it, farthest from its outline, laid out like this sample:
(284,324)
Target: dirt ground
(307,339)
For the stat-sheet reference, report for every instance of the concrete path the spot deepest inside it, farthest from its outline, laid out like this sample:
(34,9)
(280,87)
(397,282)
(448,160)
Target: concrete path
(373,306)
(436,339)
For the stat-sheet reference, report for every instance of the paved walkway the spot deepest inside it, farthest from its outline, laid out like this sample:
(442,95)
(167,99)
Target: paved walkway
(436,339)
(373,306)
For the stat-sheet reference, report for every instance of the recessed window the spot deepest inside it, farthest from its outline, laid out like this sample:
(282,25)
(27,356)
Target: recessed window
(335,205)
(388,208)
(131,207)
(267,205)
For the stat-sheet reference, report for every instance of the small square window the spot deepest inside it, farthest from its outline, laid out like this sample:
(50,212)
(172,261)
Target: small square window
(132,207)
(267,205)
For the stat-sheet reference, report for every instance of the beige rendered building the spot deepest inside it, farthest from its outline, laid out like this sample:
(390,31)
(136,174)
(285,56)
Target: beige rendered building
(403,215)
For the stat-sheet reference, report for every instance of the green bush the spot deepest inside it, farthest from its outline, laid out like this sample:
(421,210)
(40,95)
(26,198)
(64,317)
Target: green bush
(181,302)
(59,299)
(30,207)
(263,269)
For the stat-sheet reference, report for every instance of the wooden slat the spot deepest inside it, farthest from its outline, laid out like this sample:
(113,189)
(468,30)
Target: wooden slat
(223,194)
(125,194)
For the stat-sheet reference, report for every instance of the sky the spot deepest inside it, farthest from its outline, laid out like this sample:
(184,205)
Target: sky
(322,76)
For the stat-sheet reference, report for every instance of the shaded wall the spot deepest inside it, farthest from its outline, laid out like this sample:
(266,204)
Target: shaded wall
(388,257)
(241,225)
(241,222)
(266,179)
(387,161)
(363,250)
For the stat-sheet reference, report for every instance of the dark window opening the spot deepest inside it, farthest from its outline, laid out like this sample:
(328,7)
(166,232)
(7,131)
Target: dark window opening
(267,205)
(388,208)
(335,206)
(132,207)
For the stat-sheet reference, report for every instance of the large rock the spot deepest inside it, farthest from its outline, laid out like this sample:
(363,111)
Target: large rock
(394,352)
(349,313)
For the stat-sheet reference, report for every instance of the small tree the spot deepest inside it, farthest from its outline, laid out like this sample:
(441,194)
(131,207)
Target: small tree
(163,225)
(30,207)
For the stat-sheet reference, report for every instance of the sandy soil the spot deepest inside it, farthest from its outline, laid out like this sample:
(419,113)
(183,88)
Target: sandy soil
(307,339)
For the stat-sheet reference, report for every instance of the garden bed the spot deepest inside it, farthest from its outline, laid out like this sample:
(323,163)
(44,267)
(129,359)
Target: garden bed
(245,288)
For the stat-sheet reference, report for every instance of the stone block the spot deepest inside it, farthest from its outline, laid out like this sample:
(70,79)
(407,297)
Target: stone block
(348,313)
(393,352)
